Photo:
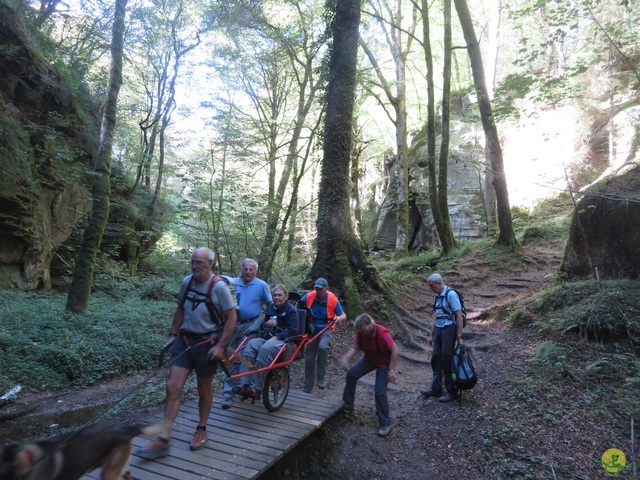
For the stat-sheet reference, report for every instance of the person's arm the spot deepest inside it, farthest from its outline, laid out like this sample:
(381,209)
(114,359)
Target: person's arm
(224,299)
(344,361)
(230,318)
(393,361)
(459,325)
(176,325)
(342,316)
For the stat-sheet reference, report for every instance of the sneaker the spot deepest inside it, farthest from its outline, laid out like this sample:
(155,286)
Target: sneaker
(156,449)
(384,431)
(251,392)
(306,390)
(447,397)
(226,403)
(237,390)
(321,384)
(348,408)
(199,439)
(430,393)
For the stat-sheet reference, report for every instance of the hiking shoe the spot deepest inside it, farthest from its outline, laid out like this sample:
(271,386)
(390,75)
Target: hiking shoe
(156,449)
(447,397)
(251,392)
(430,393)
(384,431)
(227,403)
(199,439)
(237,390)
(321,384)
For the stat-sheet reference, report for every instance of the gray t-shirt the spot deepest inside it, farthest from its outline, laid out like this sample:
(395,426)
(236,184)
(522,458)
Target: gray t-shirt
(196,315)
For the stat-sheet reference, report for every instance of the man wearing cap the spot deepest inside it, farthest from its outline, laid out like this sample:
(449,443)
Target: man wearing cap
(324,306)
(446,332)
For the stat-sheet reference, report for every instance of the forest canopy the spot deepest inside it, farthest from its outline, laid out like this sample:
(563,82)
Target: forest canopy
(221,117)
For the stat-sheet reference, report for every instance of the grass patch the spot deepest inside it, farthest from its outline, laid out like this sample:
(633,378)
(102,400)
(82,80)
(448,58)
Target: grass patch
(45,347)
(606,311)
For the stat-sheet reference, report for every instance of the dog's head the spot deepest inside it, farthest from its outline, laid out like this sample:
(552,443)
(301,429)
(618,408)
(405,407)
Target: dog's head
(31,461)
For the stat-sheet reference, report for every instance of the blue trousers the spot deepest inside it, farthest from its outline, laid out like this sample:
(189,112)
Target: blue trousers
(316,358)
(359,370)
(444,344)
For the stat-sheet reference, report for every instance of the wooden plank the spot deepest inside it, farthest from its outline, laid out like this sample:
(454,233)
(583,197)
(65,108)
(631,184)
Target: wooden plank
(244,441)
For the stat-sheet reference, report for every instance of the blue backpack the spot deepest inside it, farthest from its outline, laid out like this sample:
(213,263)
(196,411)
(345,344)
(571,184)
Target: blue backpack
(462,372)
(446,303)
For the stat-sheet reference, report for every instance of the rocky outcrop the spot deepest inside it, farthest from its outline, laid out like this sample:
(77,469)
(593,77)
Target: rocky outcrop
(47,141)
(605,230)
(465,174)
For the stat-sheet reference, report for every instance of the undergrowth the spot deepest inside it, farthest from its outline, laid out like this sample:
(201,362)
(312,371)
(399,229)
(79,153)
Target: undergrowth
(45,347)
(605,311)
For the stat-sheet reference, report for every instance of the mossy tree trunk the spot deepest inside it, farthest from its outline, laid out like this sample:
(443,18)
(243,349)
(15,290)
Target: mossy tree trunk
(438,174)
(506,235)
(446,232)
(339,257)
(78,298)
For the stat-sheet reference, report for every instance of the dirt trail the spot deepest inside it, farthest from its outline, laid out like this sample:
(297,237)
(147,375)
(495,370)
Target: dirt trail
(429,440)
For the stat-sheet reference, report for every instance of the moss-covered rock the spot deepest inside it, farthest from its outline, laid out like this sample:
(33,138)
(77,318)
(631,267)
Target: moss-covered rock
(47,141)
(605,231)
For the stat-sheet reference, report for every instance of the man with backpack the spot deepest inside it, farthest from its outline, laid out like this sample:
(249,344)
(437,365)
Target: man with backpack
(202,326)
(445,335)
(381,355)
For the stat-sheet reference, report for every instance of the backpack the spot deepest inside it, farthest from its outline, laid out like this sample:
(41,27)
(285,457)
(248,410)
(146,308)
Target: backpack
(216,316)
(462,307)
(462,373)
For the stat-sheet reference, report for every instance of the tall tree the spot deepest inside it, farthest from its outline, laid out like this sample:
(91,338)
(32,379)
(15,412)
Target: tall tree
(446,232)
(506,235)
(399,40)
(339,255)
(438,174)
(78,298)
(301,47)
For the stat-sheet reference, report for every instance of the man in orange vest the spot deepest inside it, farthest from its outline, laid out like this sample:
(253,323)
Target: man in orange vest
(324,306)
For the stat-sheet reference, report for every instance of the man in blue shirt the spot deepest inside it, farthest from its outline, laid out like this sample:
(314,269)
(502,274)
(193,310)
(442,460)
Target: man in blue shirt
(324,306)
(446,333)
(252,294)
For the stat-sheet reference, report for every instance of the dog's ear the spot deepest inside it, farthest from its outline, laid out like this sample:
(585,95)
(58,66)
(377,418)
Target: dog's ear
(26,457)
(16,461)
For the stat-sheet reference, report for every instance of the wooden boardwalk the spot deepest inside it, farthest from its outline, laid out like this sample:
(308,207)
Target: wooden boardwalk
(244,441)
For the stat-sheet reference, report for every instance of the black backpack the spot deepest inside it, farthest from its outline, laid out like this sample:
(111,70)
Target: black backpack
(462,373)
(310,323)
(446,302)
(217,316)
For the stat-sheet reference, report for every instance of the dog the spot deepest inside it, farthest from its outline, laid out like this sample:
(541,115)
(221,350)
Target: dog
(70,456)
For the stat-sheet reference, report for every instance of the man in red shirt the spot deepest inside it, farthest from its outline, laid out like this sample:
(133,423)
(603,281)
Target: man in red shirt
(381,355)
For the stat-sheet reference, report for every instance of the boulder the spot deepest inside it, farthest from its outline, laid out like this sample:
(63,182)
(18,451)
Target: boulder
(605,230)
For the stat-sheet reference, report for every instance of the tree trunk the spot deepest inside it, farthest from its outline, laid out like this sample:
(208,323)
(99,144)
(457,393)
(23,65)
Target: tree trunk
(339,255)
(434,198)
(78,298)
(446,234)
(506,235)
(399,53)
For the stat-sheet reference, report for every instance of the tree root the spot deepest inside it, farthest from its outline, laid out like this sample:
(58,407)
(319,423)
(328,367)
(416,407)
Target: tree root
(407,337)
